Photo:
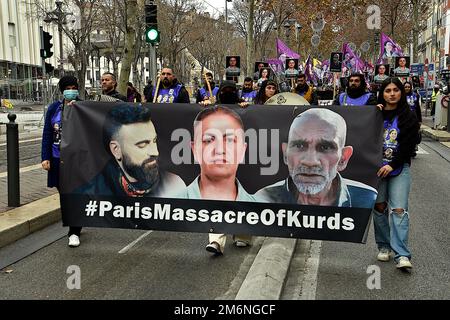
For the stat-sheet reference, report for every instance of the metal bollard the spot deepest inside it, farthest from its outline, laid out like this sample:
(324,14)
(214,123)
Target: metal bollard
(12,140)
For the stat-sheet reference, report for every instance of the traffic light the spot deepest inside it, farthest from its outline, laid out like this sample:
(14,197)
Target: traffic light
(152,34)
(49,68)
(151,15)
(46,50)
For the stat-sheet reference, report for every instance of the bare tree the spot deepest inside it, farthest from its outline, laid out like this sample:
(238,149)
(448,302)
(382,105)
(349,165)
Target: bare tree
(112,22)
(79,37)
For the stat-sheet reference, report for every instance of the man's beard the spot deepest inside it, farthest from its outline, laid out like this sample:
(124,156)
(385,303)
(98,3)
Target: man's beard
(247,89)
(145,175)
(301,87)
(166,83)
(310,188)
(356,92)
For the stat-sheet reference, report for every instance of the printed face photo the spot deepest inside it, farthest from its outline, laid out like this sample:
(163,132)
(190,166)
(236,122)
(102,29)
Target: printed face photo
(259,65)
(264,73)
(314,150)
(402,62)
(233,61)
(219,145)
(336,61)
(135,146)
(382,69)
(292,64)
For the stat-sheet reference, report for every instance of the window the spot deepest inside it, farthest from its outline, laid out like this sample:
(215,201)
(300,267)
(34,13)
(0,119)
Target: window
(12,34)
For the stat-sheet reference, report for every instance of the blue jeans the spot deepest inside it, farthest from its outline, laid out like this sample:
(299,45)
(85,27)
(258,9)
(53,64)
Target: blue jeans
(393,234)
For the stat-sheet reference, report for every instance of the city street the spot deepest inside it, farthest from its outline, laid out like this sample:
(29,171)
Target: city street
(139,264)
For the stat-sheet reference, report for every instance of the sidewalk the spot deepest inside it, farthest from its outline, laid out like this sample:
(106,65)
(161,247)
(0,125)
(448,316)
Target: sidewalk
(439,135)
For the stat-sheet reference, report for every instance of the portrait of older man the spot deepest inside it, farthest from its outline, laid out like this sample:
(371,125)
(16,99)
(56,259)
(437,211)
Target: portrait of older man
(315,154)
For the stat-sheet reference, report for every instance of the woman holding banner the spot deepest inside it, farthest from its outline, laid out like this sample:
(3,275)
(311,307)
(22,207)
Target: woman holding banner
(393,191)
(51,139)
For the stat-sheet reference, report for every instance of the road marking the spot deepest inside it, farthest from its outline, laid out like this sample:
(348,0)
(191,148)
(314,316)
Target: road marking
(23,170)
(131,245)
(421,151)
(23,141)
(309,285)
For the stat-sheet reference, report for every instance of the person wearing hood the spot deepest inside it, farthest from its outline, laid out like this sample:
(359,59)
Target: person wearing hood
(203,92)
(390,214)
(170,90)
(227,94)
(356,93)
(305,90)
(51,141)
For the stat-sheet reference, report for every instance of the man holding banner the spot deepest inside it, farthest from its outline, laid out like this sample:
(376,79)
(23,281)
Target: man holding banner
(219,146)
(315,154)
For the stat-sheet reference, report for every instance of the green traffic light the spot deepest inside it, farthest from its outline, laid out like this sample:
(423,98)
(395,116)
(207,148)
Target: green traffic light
(152,34)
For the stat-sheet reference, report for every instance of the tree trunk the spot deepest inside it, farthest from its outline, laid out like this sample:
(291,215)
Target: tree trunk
(250,38)
(131,13)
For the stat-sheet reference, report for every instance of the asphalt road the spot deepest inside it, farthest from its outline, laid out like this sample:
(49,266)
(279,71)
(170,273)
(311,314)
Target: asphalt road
(161,266)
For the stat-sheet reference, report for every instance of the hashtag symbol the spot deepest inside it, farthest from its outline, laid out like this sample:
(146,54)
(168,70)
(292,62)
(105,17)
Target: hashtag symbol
(91,208)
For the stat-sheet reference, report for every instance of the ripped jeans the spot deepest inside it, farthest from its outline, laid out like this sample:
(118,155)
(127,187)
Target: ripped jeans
(393,233)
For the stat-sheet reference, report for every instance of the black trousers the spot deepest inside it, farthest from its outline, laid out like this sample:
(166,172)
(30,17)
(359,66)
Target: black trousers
(74,230)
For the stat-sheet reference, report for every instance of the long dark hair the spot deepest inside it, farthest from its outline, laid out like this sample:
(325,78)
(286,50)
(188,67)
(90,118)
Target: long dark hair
(406,117)
(398,84)
(261,97)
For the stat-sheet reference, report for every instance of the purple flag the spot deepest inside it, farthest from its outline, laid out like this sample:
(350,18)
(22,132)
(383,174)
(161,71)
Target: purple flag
(388,49)
(351,62)
(285,52)
(309,71)
(275,64)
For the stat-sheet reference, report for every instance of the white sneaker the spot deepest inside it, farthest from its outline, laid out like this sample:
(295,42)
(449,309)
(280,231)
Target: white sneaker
(384,255)
(240,243)
(404,263)
(214,247)
(74,241)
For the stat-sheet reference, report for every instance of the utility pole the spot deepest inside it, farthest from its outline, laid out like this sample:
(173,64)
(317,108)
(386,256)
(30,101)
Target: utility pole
(250,36)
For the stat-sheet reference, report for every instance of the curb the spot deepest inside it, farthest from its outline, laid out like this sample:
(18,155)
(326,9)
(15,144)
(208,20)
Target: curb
(18,223)
(438,135)
(266,277)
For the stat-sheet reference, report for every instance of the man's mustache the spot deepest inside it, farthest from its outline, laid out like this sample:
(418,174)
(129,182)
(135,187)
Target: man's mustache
(150,160)
(309,170)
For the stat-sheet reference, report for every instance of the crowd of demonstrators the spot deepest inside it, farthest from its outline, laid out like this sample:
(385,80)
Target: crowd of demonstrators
(268,89)
(305,90)
(109,85)
(51,141)
(203,92)
(391,214)
(356,93)
(169,89)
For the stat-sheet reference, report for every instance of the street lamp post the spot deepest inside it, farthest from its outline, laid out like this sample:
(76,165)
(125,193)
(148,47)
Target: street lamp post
(58,16)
